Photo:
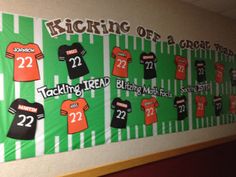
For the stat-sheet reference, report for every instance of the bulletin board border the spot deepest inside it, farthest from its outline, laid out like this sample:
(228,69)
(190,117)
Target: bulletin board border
(138,161)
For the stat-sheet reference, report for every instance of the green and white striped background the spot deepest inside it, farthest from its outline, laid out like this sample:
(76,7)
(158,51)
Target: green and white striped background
(51,135)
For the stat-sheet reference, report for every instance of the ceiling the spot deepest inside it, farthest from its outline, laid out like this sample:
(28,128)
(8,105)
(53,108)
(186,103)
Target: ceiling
(224,7)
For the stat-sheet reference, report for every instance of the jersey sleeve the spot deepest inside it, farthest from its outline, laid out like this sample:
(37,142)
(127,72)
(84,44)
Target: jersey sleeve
(128,55)
(61,53)
(142,105)
(141,59)
(9,51)
(113,104)
(154,58)
(114,52)
(156,104)
(40,113)
(85,104)
(13,107)
(175,102)
(38,52)
(129,109)
(80,48)
(63,110)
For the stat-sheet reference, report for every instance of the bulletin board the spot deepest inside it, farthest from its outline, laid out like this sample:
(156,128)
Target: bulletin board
(73,91)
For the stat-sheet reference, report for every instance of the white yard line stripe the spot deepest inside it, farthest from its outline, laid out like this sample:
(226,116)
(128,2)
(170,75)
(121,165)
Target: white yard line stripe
(92,91)
(144,130)
(170,127)
(68,37)
(17,89)
(118,93)
(81,140)
(119,135)
(163,128)
(57,144)
(136,131)
(190,111)
(2,152)
(135,82)
(70,143)
(218,120)
(18,150)
(162,47)
(128,133)
(80,37)
(175,87)
(0,21)
(176,125)
(126,42)
(142,41)
(1,87)
(197,123)
(207,121)
(117,40)
(93,136)
(162,83)
(202,122)
(127,92)
(91,39)
(135,43)
(16,24)
(69,81)
(153,47)
(107,96)
(81,80)
(154,128)
(143,83)
(182,125)
(56,81)
(39,135)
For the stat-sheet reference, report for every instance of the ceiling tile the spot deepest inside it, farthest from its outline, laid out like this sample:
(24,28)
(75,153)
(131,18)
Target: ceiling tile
(230,13)
(216,5)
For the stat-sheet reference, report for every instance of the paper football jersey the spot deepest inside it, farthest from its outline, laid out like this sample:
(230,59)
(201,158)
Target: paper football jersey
(148,60)
(23,126)
(122,59)
(75,112)
(219,72)
(149,107)
(181,65)
(201,103)
(232,104)
(232,73)
(201,70)
(120,115)
(181,104)
(25,60)
(218,104)
(73,55)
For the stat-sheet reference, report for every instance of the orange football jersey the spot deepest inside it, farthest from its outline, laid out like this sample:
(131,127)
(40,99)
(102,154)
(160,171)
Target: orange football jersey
(219,72)
(149,106)
(75,110)
(25,60)
(122,59)
(181,65)
(201,103)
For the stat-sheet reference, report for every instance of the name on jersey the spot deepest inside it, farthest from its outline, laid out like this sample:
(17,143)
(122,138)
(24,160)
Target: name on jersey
(180,101)
(62,89)
(71,52)
(148,57)
(148,103)
(121,54)
(121,105)
(27,108)
(217,99)
(23,50)
(74,105)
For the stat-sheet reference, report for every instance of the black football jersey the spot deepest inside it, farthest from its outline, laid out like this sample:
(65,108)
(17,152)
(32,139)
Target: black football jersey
(148,60)
(122,108)
(232,73)
(218,104)
(181,104)
(73,55)
(24,125)
(201,71)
